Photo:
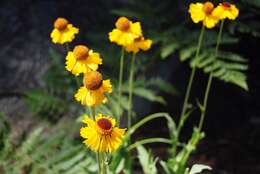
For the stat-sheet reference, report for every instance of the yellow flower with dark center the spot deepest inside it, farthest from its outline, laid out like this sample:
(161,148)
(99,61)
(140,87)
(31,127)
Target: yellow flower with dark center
(101,134)
(125,32)
(82,60)
(63,31)
(203,12)
(139,44)
(92,93)
(226,10)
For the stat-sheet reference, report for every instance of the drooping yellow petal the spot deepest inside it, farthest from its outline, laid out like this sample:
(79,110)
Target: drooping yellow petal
(64,36)
(210,21)
(196,12)
(125,32)
(93,60)
(93,97)
(203,12)
(136,29)
(76,67)
(139,44)
(226,10)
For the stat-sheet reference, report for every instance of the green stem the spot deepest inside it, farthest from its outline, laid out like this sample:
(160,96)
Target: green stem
(205,101)
(93,109)
(67,47)
(77,81)
(148,140)
(130,104)
(130,90)
(99,160)
(103,164)
(121,71)
(145,120)
(187,95)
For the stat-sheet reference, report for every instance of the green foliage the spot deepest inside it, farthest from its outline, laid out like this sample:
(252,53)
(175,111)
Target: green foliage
(42,103)
(48,102)
(198,168)
(147,161)
(228,66)
(45,152)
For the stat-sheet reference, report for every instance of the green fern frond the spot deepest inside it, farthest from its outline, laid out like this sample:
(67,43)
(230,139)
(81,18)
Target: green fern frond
(228,67)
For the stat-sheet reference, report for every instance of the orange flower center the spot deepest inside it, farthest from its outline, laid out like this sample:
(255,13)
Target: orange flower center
(208,7)
(61,23)
(104,124)
(226,5)
(140,38)
(93,80)
(81,52)
(123,24)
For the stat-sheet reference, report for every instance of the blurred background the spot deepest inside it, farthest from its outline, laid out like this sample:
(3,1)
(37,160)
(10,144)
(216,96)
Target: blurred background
(36,93)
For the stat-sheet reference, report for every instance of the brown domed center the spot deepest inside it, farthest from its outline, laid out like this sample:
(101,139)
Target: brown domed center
(226,4)
(93,80)
(123,24)
(61,23)
(104,123)
(81,52)
(140,38)
(208,7)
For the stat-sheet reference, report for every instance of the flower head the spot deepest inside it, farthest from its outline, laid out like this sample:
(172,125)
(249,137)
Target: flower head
(82,60)
(101,134)
(203,12)
(139,44)
(92,93)
(63,31)
(226,10)
(125,32)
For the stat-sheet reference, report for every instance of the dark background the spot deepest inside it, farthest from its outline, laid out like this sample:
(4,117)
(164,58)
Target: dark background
(232,122)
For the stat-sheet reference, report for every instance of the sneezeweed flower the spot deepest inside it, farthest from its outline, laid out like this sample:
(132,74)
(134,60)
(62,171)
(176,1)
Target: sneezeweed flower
(226,10)
(82,60)
(101,134)
(139,44)
(94,89)
(125,32)
(63,31)
(203,12)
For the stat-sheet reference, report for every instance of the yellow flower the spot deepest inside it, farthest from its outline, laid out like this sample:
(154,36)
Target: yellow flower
(82,60)
(203,12)
(92,93)
(139,43)
(125,32)
(63,31)
(226,10)
(101,135)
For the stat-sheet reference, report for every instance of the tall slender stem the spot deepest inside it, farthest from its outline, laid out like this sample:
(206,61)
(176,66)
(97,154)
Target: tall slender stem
(67,47)
(93,109)
(121,71)
(98,158)
(205,101)
(130,90)
(104,166)
(187,95)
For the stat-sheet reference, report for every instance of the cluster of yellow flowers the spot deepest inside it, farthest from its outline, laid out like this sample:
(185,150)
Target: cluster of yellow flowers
(101,134)
(210,15)
(129,35)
